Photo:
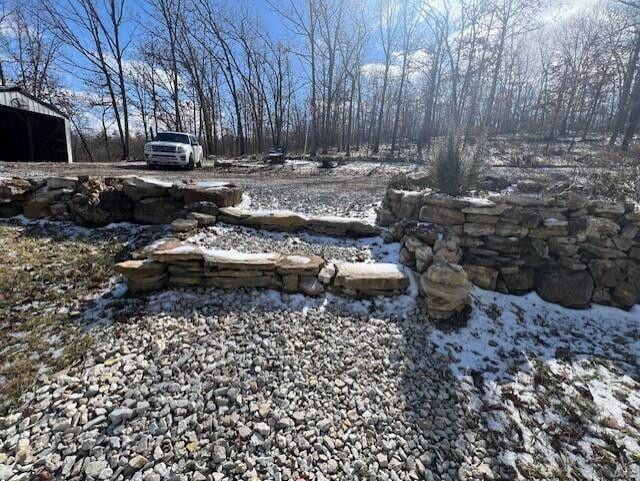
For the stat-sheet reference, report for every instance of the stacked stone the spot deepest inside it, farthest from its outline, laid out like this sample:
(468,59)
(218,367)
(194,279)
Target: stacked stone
(568,248)
(97,202)
(13,194)
(184,265)
(445,287)
(143,275)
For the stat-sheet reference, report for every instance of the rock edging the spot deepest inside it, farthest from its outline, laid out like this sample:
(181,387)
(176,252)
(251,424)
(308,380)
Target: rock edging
(93,201)
(177,264)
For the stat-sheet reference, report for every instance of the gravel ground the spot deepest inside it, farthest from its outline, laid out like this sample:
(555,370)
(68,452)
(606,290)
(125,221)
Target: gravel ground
(224,236)
(239,386)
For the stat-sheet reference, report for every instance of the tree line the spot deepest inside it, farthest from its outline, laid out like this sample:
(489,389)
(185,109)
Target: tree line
(324,76)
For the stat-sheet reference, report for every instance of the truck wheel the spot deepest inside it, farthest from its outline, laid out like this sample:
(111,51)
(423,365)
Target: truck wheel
(191,163)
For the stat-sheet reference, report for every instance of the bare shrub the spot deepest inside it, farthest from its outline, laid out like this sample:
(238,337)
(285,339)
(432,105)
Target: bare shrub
(455,169)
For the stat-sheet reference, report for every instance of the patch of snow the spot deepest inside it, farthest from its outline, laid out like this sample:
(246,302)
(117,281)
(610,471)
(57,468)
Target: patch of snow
(535,371)
(245,203)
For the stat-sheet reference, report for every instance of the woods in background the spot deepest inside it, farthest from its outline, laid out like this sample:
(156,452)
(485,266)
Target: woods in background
(326,75)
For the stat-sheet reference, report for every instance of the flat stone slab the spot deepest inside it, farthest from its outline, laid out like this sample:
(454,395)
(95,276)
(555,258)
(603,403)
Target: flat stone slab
(342,225)
(299,264)
(289,221)
(377,277)
(138,188)
(233,260)
(136,269)
(183,252)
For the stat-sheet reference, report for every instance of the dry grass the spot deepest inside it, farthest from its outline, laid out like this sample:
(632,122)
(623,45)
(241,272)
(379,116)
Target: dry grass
(44,278)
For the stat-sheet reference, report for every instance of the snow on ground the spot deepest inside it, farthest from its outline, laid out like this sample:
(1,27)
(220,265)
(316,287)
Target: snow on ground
(557,387)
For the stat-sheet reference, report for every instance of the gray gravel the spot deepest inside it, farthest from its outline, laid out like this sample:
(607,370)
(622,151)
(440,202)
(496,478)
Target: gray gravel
(245,239)
(227,386)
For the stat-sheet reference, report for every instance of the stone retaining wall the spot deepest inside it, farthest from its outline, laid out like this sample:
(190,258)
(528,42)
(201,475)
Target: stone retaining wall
(177,264)
(101,201)
(571,250)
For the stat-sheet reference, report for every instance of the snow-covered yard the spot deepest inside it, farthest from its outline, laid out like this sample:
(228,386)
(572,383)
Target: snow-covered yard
(556,388)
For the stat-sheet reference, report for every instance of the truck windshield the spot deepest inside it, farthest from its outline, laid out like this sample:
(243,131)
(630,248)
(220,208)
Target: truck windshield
(171,137)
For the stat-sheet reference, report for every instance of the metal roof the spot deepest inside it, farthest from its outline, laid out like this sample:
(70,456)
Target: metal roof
(15,97)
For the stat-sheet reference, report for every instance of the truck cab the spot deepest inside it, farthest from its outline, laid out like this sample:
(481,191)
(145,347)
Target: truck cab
(178,149)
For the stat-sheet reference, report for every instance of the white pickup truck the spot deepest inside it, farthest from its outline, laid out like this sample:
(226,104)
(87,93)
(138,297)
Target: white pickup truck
(173,149)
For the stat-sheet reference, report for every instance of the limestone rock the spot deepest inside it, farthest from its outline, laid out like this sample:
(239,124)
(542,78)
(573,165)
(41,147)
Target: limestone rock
(175,251)
(204,207)
(517,281)
(15,188)
(276,220)
(479,230)
(300,264)
(222,194)
(363,277)
(385,217)
(481,276)
(342,226)
(441,215)
(39,206)
(203,220)
(137,269)
(449,202)
(424,258)
(310,285)
(327,274)
(446,288)
(565,287)
(62,183)
(184,225)
(10,208)
(551,227)
(599,227)
(138,188)
(231,260)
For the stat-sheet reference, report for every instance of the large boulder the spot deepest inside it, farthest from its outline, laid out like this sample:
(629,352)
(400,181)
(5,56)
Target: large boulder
(620,276)
(446,289)
(565,287)
(140,188)
(222,194)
